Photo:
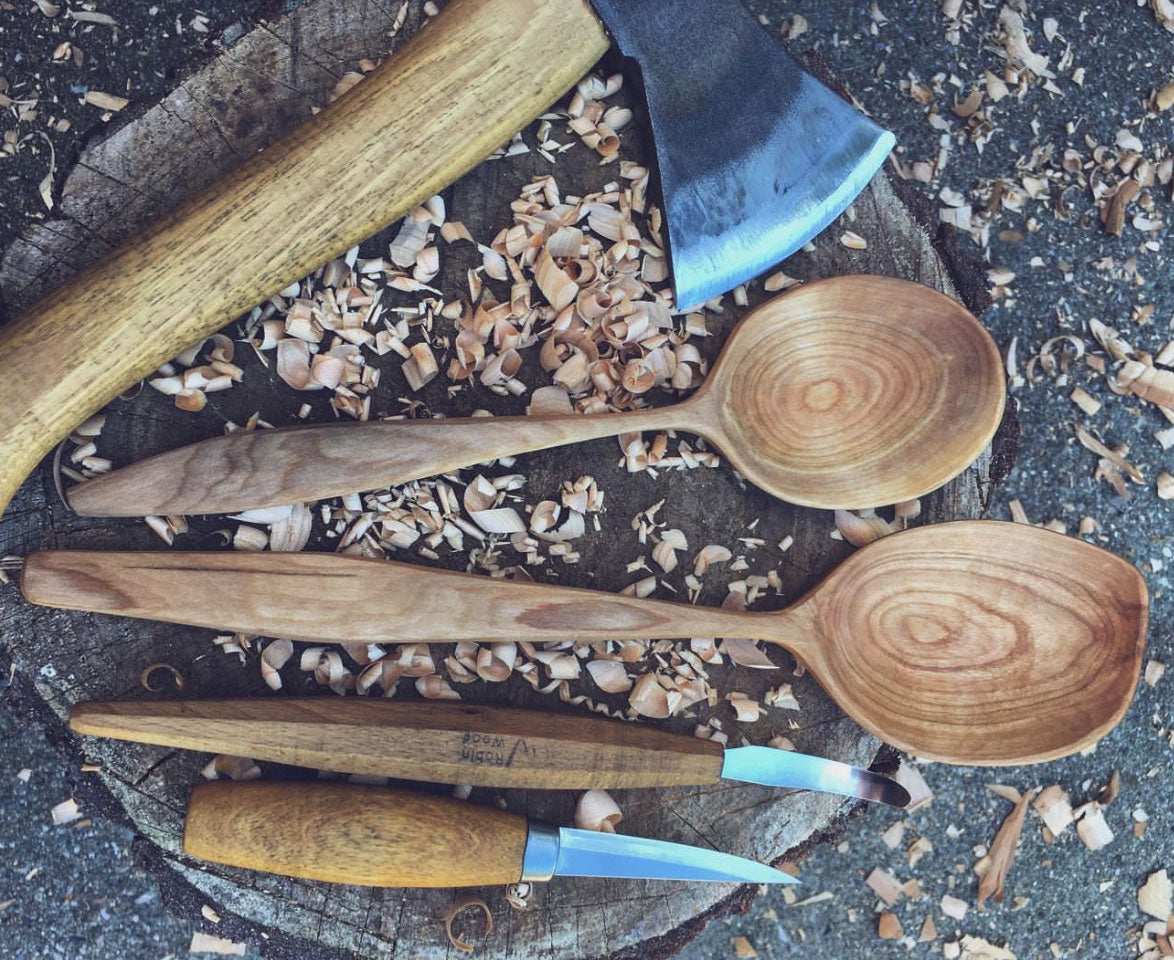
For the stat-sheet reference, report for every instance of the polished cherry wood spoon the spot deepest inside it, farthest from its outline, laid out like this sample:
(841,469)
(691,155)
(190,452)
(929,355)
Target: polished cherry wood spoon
(974,642)
(852,392)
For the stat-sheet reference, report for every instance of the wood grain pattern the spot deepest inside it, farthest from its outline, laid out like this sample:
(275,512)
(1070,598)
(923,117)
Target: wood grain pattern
(977,643)
(440,742)
(484,69)
(302,463)
(101,657)
(350,833)
(982,642)
(856,391)
(326,598)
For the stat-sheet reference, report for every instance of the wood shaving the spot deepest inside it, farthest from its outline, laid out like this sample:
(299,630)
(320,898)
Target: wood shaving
(145,677)
(861,530)
(207,943)
(463,905)
(743,949)
(911,779)
(976,948)
(997,863)
(888,927)
(596,810)
(928,931)
(1154,671)
(235,768)
(65,812)
(104,101)
(1054,809)
(954,908)
(1091,827)
(884,885)
(1156,896)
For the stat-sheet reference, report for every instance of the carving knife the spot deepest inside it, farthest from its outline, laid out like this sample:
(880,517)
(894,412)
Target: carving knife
(376,837)
(462,743)
(754,158)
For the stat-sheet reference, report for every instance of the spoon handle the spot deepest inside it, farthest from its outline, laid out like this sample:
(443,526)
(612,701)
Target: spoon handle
(267,468)
(329,598)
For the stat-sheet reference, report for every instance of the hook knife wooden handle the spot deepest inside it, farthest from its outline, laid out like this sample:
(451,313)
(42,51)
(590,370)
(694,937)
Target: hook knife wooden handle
(439,742)
(456,92)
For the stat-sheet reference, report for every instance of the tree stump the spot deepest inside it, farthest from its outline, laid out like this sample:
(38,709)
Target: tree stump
(262,86)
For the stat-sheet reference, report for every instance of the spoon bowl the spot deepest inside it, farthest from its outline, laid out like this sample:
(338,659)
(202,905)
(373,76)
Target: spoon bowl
(980,642)
(855,392)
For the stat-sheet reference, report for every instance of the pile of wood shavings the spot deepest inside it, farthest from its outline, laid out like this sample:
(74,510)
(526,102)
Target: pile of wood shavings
(582,281)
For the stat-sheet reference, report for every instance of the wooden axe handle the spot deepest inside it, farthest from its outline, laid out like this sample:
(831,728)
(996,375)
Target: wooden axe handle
(438,741)
(456,92)
(349,833)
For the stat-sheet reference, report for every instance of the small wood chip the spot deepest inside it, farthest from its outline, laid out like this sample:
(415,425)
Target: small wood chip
(853,241)
(888,927)
(884,885)
(1085,401)
(105,101)
(1054,809)
(928,931)
(743,948)
(206,943)
(1092,829)
(1154,669)
(1156,895)
(65,812)
(953,907)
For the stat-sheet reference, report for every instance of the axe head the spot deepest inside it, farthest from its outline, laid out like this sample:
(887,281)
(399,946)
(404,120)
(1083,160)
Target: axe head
(756,156)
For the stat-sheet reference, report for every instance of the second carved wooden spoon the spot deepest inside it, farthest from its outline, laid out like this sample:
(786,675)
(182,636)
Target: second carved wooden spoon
(852,392)
(972,642)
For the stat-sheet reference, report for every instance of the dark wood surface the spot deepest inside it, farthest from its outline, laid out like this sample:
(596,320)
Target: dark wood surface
(259,88)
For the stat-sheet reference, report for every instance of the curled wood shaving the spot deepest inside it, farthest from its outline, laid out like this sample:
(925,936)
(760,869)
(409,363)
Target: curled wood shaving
(273,658)
(148,671)
(864,529)
(1148,383)
(1090,442)
(235,768)
(1002,852)
(518,895)
(596,810)
(747,653)
(461,906)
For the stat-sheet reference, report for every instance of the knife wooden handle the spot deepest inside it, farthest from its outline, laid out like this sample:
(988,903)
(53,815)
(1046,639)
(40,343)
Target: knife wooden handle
(456,92)
(437,741)
(328,598)
(349,833)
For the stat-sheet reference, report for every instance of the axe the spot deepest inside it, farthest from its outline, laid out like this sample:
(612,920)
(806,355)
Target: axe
(755,158)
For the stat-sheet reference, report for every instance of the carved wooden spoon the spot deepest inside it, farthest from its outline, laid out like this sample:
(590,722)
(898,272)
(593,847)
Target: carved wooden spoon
(851,392)
(973,642)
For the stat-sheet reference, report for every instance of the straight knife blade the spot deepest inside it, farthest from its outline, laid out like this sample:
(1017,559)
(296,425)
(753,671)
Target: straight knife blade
(784,768)
(587,853)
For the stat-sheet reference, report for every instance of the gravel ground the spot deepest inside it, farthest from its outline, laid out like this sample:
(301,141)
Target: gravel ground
(88,900)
